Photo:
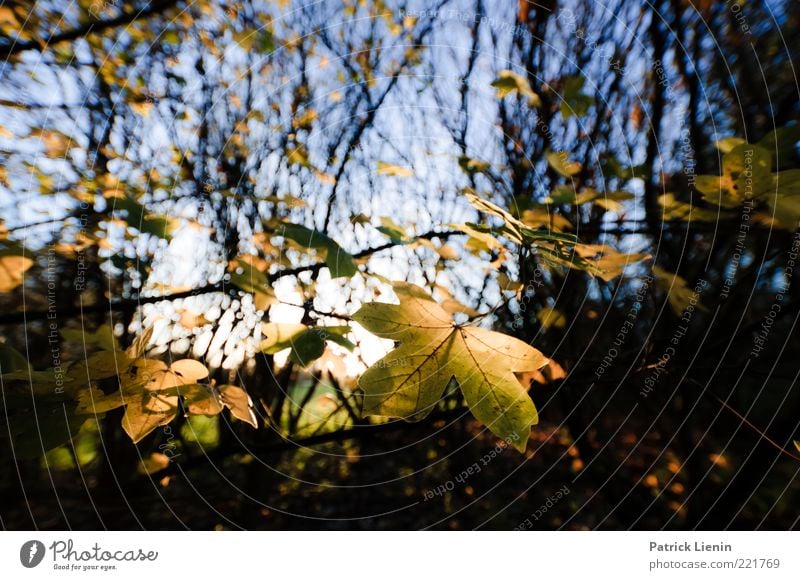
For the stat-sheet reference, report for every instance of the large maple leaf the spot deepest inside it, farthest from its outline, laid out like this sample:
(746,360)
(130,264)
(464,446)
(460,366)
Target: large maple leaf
(433,349)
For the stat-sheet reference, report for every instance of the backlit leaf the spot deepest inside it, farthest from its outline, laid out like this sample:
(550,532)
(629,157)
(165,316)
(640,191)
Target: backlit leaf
(239,403)
(559,161)
(410,380)
(147,413)
(394,170)
(12,270)
(508,82)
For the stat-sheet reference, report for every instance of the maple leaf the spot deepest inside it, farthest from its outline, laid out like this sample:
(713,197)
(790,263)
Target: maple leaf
(410,380)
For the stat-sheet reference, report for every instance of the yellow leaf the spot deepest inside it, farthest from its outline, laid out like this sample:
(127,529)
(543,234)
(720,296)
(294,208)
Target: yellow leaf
(279,336)
(550,317)
(201,400)
(448,252)
(191,320)
(142,108)
(12,271)
(394,170)
(145,414)
(679,294)
(559,161)
(93,401)
(183,372)
(154,463)
(410,380)
(550,372)
(508,82)
(326,178)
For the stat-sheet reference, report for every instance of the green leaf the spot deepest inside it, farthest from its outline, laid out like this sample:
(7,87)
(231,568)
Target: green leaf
(139,218)
(103,337)
(307,343)
(339,262)
(307,347)
(11,360)
(410,380)
(788,182)
(786,209)
(750,166)
(676,209)
(254,281)
(679,294)
(37,416)
(279,336)
(395,232)
(574,102)
(782,143)
(336,334)
(245,39)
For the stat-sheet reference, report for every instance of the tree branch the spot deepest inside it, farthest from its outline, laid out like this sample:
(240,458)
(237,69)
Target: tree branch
(93,26)
(130,304)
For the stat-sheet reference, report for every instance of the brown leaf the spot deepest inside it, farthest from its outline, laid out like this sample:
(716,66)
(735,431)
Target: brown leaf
(239,402)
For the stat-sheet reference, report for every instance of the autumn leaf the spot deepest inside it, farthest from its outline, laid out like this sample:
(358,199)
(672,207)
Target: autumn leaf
(508,82)
(676,209)
(239,403)
(679,294)
(182,372)
(559,161)
(606,262)
(410,380)
(394,231)
(728,144)
(251,279)
(93,401)
(551,372)
(148,412)
(394,170)
(154,463)
(12,270)
(190,320)
(200,400)
(550,317)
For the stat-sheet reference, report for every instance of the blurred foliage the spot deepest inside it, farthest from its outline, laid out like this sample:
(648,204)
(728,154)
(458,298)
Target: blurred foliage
(219,248)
